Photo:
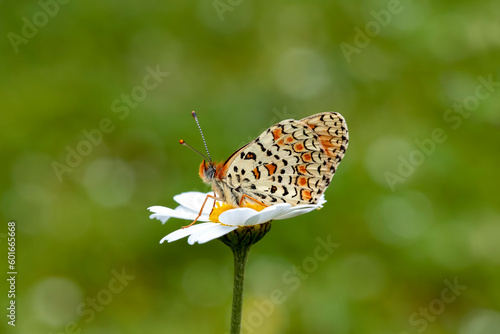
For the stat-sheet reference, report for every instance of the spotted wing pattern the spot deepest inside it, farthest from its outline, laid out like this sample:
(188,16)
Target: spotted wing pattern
(291,162)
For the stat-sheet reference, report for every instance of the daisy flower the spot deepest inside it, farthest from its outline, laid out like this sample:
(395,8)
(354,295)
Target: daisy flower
(224,218)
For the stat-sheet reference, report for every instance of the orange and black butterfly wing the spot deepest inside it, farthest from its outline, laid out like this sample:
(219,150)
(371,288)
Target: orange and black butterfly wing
(291,162)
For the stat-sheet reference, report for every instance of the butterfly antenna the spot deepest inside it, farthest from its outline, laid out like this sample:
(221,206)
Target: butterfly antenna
(202,136)
(182,142)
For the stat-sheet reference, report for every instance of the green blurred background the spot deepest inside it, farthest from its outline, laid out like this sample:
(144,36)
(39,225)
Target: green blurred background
(408,210)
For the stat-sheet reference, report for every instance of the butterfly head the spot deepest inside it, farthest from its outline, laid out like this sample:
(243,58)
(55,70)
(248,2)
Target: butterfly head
(207,171)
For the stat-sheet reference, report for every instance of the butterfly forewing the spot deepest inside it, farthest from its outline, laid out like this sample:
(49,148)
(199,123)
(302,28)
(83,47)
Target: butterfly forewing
(291,162)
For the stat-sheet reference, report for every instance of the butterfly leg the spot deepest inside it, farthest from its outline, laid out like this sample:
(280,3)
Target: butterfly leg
(201,210)
(251,199)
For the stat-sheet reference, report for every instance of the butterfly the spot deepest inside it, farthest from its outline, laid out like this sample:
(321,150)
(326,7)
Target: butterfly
(291,162)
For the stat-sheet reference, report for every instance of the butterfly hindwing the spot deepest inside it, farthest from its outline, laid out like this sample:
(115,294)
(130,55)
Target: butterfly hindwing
(291,162)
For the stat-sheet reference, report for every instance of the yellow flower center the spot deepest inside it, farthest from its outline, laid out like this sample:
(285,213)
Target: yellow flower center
(220,208)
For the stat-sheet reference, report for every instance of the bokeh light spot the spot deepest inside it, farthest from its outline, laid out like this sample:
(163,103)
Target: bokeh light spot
(55,300)
(484,239)
(480,321)
(382,156)
(301,73)
(400,219)
(109,182)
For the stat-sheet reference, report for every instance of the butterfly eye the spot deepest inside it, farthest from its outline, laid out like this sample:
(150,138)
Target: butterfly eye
(210,171)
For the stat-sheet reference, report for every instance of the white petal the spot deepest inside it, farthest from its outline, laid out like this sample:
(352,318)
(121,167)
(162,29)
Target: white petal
(194,200)
(247,216)
(163,214)
(208,232)
(269,213)
(184,232)
(321,201)
(237,217)
(214,232)
(189,214)
(296,211)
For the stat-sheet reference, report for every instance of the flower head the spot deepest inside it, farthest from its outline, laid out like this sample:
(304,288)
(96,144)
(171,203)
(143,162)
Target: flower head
(223,219)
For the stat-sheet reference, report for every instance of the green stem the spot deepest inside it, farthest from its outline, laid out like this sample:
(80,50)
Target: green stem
(240,253)
(240,241)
